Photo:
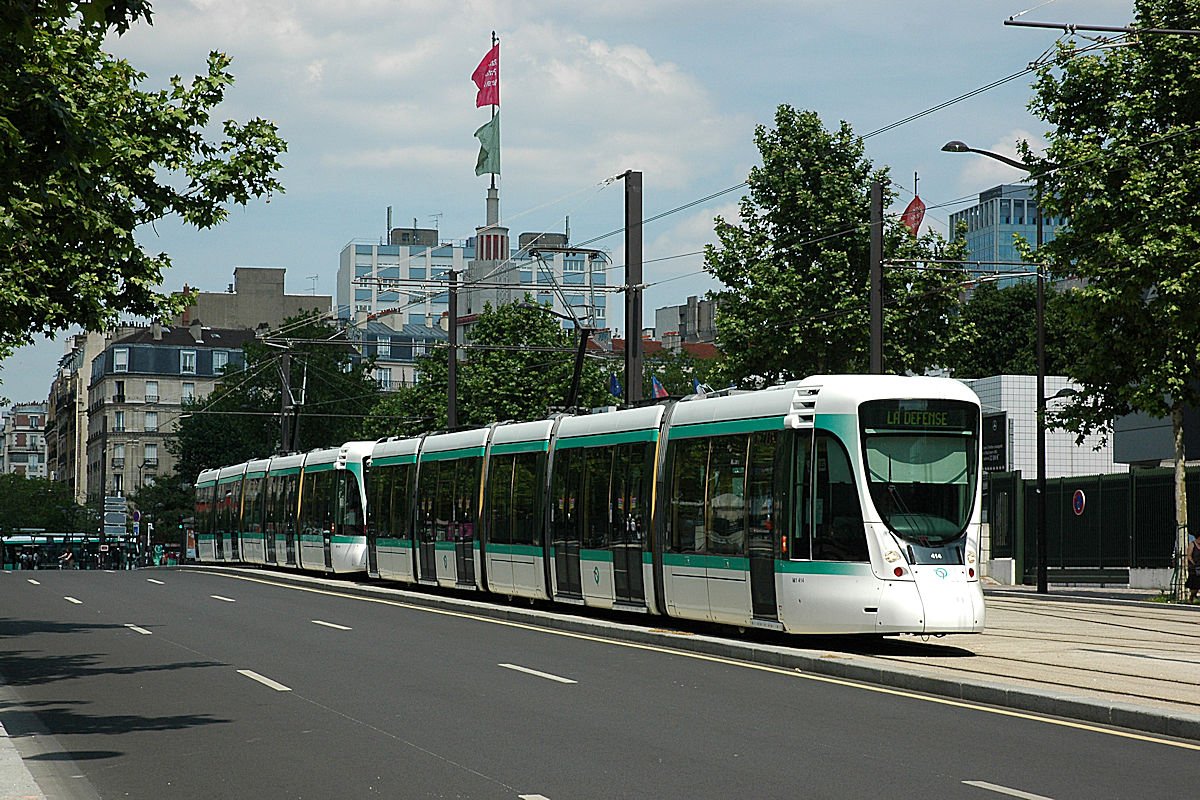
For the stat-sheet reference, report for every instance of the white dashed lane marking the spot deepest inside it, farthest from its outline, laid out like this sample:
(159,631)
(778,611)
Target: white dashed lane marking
(545,675)
(265,681)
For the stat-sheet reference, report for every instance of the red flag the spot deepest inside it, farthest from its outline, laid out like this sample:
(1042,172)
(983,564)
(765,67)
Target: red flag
(913,215)
(487,78)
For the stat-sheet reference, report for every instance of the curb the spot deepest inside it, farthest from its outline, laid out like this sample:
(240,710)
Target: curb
(1047,702)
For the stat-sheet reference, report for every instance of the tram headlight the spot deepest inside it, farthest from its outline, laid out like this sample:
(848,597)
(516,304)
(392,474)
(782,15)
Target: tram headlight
(891,556)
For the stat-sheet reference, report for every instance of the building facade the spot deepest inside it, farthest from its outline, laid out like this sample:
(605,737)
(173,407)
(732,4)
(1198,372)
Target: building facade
(136,389)
(25,440)
(256,297)
(1002,212)
(66,419)
(409,279)
(1010,430)
(395,347)
(694,321)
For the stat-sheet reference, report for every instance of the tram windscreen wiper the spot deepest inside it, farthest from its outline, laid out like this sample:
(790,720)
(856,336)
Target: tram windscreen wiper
(915,521)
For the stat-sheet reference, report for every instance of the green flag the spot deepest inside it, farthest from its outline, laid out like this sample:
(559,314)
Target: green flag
(489,148)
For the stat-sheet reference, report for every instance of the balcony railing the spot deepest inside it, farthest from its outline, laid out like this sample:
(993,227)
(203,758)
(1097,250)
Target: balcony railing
(151,398)
(118,462)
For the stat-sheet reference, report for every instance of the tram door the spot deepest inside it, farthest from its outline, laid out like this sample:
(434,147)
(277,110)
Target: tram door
(290,491)
(568,519)
(466,493)
(630,504)
(764,530)
(426,531)
(269,521)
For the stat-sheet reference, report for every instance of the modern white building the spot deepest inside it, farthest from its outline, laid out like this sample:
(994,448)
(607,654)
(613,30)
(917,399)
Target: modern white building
(406,277)
(1010,430)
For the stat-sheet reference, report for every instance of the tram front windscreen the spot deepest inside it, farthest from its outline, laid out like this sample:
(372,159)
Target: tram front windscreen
(922,460)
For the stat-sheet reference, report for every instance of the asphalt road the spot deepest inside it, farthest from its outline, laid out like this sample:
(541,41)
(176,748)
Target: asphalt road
(176,684)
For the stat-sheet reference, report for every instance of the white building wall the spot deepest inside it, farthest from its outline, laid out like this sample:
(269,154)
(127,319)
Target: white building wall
(1017,395)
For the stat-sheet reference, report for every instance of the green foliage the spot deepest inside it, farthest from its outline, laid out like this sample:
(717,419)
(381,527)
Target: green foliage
(239,420)
(675,372)
(38,503)
(1127,155)
(165,503)
(797,266)
(493,384)
(998,329)
(87,158)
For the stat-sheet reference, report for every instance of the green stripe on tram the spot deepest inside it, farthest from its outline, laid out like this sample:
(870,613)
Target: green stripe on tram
(285,471)
(540,446)
(728,427)
(392,461)
(320,467)
(446,455)
(530,550)
(602,439)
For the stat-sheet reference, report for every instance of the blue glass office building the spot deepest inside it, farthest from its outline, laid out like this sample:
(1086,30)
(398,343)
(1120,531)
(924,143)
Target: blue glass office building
(1003,211)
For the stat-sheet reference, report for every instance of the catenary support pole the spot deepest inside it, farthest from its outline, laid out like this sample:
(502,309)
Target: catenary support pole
(452,356)
(633,287)
(875,294)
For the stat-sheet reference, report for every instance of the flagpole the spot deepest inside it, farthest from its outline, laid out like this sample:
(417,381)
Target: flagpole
(494,43)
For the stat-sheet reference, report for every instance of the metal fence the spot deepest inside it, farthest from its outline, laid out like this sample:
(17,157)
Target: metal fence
(1097,526)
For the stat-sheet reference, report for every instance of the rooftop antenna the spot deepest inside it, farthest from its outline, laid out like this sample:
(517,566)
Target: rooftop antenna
(387,235)
(313,278)
(437,219)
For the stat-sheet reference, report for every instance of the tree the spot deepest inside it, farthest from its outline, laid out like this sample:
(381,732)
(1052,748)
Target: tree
(239,420)
(38,503)
(675,371)
(498,380)
(1123,164)
(87,158)
(998,332)
(797,266)
(165,504)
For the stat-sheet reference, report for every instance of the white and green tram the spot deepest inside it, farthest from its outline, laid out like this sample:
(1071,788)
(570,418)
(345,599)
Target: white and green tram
(836,504)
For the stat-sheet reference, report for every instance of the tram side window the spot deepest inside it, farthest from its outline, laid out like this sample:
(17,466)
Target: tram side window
(443,508)
(499,497)
(596,511)
(427,488)
(526,497)
(763,501)
(727,495)
(838,533)
(254,505)
(379,501)
(316,507)
(466,498)
(568,488)
(400,502)
(350,511)
(688,469)
(289,494)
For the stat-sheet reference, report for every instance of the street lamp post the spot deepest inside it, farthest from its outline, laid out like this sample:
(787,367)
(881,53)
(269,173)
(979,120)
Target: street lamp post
(1042,580)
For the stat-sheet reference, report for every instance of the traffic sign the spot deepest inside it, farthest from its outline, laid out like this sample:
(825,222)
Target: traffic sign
(137,515)
(1078,501)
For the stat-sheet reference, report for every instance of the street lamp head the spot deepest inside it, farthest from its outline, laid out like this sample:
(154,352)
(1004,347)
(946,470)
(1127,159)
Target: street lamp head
(956,147)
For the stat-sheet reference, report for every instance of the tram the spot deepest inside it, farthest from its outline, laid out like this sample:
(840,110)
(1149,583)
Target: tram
(836,504)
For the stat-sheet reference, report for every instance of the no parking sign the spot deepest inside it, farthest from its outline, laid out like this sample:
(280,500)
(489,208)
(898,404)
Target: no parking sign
(1078,501)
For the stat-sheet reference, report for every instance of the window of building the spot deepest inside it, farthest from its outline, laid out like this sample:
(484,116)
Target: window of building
(120,359)
(187,392)
(151,451)
(384,348)
(151,391)
(383,376)
(220,360)
(187,362)
(119,392)
(118,455)
(119,421)
(151,420)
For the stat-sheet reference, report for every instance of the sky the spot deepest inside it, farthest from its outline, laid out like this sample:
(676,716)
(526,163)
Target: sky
(376,102)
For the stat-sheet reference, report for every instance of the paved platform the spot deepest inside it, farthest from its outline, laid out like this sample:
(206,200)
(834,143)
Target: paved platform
(1108,656)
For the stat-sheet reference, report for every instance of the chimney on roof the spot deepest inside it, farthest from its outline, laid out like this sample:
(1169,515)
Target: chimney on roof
(156,331)
(196,330)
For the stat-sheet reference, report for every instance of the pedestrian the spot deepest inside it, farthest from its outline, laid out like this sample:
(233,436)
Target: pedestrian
(1193,569)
